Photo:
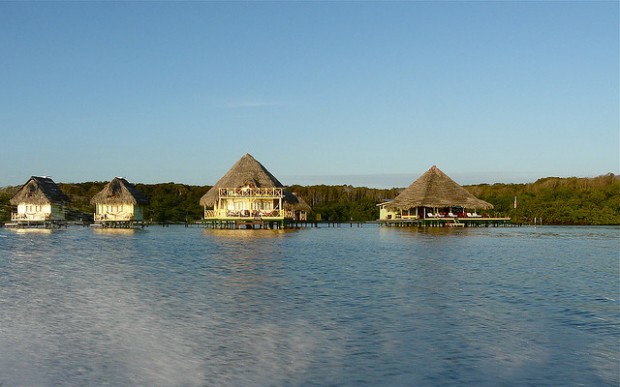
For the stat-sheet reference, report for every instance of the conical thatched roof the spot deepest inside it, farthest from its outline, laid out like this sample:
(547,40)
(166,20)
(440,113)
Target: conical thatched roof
(435,189)
(248,171)
(39,190)
(119,191)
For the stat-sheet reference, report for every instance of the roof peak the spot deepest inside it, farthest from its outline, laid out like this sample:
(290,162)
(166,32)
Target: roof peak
(435,170)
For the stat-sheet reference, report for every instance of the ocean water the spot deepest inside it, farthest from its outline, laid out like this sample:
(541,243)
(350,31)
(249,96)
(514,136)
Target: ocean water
(342,306)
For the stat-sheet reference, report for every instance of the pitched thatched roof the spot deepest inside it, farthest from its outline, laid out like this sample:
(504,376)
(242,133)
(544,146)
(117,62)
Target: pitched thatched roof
(435,189)
(119,191)
(248,171)
(39,190)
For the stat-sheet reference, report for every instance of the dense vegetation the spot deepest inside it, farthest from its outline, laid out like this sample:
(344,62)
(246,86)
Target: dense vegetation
(342,203)
(574,201)
(569,201)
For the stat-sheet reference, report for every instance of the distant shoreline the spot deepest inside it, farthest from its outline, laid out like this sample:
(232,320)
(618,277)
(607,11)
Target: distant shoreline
(317,184)
(558,201)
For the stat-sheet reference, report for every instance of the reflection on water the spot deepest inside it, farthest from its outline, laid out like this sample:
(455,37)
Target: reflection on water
(113,231)
(31,230)
(327,306)
(247,234)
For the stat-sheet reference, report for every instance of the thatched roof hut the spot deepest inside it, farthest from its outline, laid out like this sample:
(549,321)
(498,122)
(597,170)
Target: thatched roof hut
(249,172)
(435,189)
(119,191)
(39,190)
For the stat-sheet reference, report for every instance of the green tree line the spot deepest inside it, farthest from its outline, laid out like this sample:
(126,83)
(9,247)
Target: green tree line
(562,201)
(341,203)
(566,201)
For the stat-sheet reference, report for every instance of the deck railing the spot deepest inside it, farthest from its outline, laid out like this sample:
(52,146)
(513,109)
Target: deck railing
(301,215)
(112,217)
(35,217)
(251,192)
(257,214)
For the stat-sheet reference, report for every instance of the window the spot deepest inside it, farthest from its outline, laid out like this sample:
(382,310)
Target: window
(262,206)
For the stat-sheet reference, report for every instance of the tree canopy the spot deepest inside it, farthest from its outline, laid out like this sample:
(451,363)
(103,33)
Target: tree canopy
(565,201)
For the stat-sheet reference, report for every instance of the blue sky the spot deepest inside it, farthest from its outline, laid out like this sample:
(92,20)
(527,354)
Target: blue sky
(361,93)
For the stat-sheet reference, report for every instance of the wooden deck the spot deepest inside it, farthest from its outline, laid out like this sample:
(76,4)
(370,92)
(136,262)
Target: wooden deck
(46,224)
(119,224)
(246,222)
(446,222)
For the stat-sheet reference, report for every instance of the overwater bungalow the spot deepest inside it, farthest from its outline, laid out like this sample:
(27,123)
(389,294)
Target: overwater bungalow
(434,199)
(40,203)
(119,204)
(249,196)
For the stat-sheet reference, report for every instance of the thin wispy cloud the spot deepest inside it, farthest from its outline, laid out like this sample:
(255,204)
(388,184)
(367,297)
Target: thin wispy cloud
(254,104)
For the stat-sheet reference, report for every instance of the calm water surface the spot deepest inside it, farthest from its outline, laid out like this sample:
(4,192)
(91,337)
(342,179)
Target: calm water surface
(327,306)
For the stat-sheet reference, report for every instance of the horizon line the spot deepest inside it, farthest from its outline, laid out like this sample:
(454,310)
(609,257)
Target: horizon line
(340,180)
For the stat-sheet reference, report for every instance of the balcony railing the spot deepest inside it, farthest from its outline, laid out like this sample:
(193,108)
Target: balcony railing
(226,214)
(251,192)
(255,214)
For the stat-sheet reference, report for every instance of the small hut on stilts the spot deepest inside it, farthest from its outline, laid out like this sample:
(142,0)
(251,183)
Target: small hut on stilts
(40,203)
(249,196)
(119,204)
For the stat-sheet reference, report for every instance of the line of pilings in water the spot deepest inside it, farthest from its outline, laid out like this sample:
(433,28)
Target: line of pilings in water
(355,224)
(351,224)
(272,225)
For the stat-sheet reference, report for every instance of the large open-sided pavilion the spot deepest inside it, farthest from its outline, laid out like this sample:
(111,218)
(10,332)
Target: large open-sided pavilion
(434,199)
